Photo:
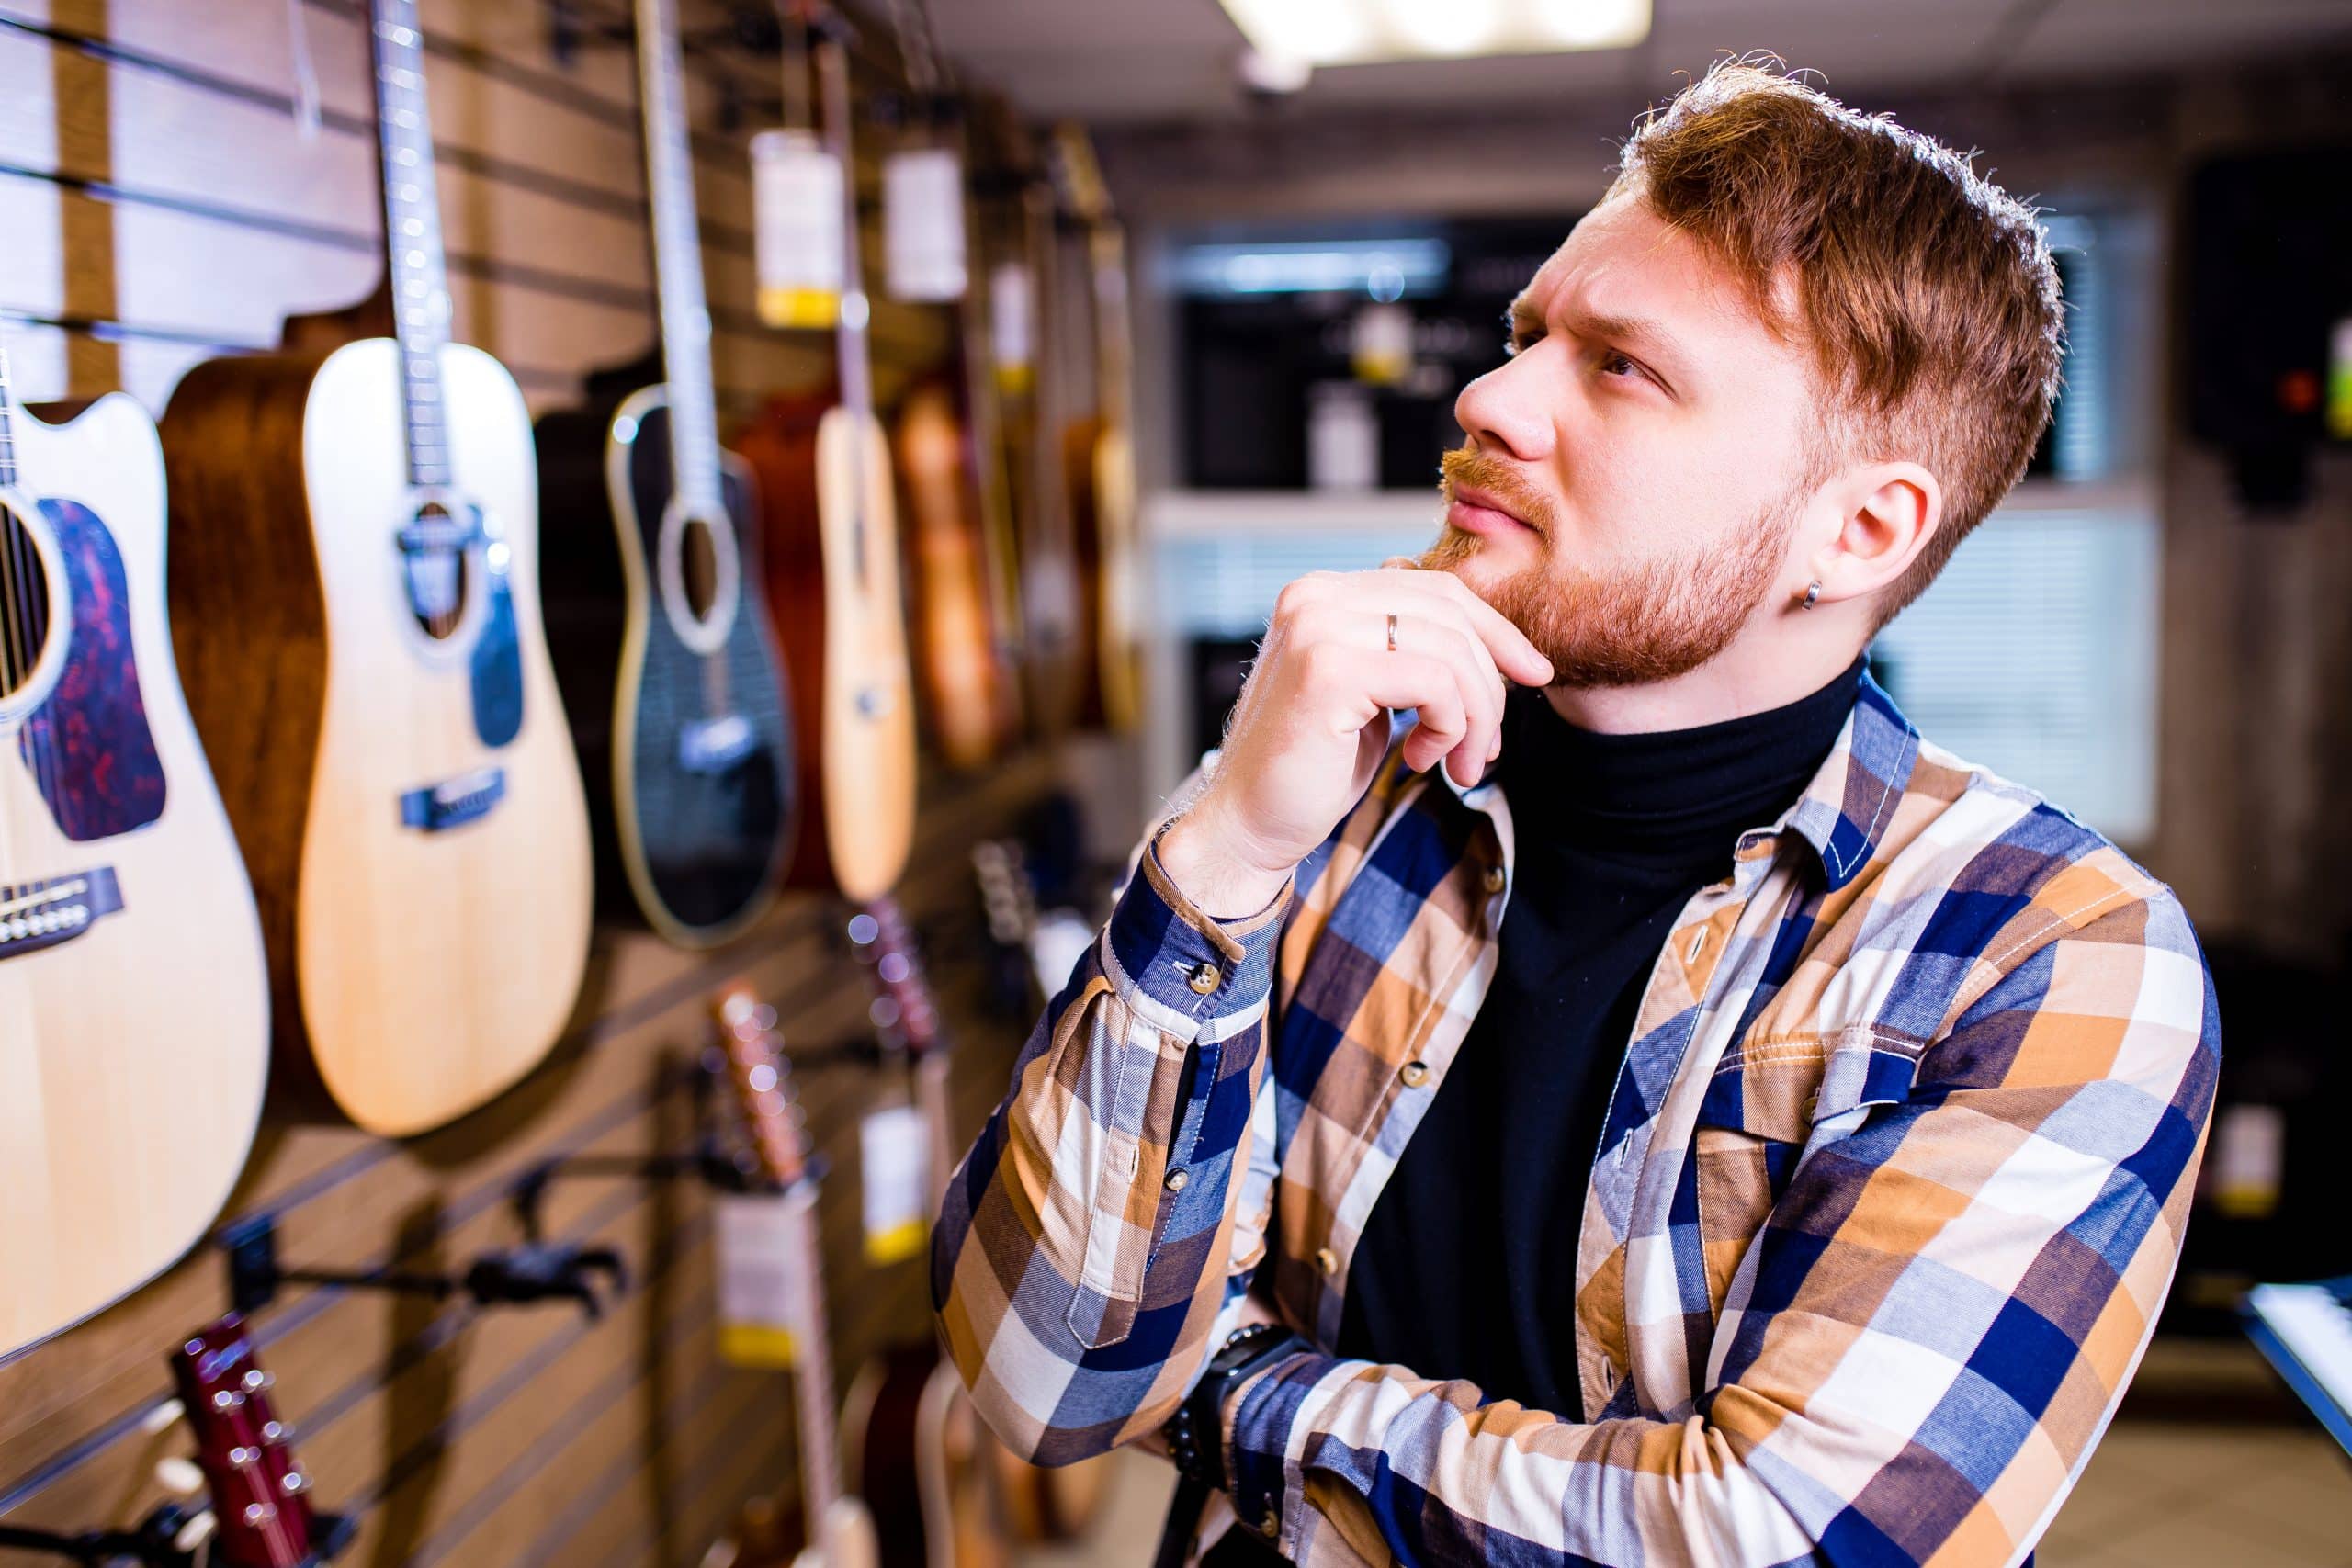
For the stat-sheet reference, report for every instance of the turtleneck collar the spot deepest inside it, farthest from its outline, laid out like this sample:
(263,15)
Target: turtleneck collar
(1677,794)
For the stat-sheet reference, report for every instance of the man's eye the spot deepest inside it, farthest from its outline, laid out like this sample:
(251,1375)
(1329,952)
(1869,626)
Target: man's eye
(1615,364)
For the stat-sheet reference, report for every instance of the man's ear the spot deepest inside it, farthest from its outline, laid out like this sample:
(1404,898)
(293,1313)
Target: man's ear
(1887,513)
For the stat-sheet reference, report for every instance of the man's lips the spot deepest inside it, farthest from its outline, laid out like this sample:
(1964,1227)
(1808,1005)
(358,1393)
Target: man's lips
(1475,511)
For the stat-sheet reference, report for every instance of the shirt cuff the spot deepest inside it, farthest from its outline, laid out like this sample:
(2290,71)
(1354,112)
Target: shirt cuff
(1183,959)
(1258,1419)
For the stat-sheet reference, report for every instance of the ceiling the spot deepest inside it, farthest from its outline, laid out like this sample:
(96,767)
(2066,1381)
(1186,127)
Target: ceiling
(1136,61)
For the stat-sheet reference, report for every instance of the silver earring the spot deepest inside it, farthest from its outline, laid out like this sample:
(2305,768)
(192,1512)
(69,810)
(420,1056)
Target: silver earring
(1811,595)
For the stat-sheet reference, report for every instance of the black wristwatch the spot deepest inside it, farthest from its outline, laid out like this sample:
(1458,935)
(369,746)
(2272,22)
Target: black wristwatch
(1195,1434)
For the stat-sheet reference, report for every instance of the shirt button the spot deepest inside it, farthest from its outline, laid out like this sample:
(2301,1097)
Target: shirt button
(1204,978)
(1811,1104)
(1494,879)
(1414,1074)
(1177,1180)
(1327,1261)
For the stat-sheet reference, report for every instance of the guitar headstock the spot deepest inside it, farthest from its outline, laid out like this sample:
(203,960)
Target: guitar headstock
(1076,177)
(760,1077)
(902,1011)
(260,1493)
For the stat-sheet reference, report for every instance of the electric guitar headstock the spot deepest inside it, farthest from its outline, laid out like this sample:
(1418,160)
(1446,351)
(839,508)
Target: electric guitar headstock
(903,1011)
(774,1135)
(261,1501)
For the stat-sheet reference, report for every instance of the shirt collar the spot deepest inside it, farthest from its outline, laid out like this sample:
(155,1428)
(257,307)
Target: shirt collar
(1844,813)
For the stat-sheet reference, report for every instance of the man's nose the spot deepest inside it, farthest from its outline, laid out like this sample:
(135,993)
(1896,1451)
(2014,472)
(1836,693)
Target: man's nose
(1502,413)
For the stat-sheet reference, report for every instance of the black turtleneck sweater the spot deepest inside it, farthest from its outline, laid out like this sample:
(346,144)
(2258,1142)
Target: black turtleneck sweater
(1467,1266)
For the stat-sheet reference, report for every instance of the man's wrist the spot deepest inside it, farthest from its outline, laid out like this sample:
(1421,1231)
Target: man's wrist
(1195,1435)
(1199,854)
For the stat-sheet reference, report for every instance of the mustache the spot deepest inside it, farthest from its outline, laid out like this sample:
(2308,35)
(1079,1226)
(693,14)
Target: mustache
(1468,466)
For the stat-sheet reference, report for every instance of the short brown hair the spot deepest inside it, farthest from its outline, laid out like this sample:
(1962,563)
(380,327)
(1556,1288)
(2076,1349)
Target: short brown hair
(1927,292)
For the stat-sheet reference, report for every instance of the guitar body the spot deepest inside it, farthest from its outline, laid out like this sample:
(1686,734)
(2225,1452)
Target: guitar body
(678,704)
(845,1539)
(823,473)
(409,801)
(134,1045)
(965,689)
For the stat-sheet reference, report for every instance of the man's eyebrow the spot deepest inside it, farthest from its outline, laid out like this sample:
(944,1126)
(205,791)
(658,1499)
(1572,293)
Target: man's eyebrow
(1640,332)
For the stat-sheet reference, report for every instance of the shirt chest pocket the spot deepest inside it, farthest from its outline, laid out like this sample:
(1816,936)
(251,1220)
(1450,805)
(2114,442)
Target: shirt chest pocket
(1770,1100)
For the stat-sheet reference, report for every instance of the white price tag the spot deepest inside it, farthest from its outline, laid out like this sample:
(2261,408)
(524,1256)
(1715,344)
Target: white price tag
(764,1242)
(891,1149)
(923,225)
(798,237)
(1012,325)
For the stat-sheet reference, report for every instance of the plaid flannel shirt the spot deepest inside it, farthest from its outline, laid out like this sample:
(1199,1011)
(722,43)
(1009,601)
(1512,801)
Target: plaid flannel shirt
(1891,1189)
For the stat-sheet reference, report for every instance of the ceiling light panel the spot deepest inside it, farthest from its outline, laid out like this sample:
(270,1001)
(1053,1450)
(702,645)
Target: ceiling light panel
(1356,32)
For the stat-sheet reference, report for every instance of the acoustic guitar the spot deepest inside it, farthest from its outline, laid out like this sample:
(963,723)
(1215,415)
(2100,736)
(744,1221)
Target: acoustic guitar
(355,601)
(1097,451)
(833,1529)
(822,469)
(132,996)
(656,607)
(944,1492)
(968,688)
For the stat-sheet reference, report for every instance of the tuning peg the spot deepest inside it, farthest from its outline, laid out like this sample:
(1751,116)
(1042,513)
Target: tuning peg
(196,1532)
(180,1477)
(163,1417)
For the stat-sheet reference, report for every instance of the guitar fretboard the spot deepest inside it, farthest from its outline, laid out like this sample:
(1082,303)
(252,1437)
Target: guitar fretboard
(8,437)
(677,260)
(413,233)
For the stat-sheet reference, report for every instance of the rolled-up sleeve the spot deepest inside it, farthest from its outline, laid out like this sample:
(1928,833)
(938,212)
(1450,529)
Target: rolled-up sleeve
(1083,1250)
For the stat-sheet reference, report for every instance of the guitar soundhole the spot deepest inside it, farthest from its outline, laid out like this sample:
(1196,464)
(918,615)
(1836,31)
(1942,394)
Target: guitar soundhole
(24,604)
(440,574)
(698,566)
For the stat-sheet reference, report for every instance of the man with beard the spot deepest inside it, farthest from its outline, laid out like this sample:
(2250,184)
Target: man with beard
(1668,1111)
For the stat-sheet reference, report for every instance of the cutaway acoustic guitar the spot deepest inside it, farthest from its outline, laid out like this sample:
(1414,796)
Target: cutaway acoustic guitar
(134,1010)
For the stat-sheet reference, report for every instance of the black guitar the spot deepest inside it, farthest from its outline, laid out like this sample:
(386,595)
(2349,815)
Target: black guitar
(685,738)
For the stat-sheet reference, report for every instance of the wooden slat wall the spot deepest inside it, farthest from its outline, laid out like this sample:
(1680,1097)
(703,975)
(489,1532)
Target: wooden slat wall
(161,205)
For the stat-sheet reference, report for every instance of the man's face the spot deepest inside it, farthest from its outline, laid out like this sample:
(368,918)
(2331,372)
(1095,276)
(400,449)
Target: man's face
(1633,473)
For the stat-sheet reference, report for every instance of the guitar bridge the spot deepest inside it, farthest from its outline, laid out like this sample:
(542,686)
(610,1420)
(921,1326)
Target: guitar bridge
(452,802)
(709,746)
(35,915)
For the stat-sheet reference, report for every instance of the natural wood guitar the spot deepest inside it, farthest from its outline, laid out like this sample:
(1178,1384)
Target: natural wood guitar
(656,601)
(356,600)
(134,1010)
(822,469)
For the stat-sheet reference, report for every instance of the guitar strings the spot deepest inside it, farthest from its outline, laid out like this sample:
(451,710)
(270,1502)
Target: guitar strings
(29,631)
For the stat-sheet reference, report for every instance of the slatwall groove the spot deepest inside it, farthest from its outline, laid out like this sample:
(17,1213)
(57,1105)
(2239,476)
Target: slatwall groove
(164,208)
(543,320)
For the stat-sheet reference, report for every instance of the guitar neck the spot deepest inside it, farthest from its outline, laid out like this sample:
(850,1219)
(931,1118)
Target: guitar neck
(832,81)
(419,277)
(8,433)
(677,260)
(820,1484)
(931,1099)
(1106,253)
